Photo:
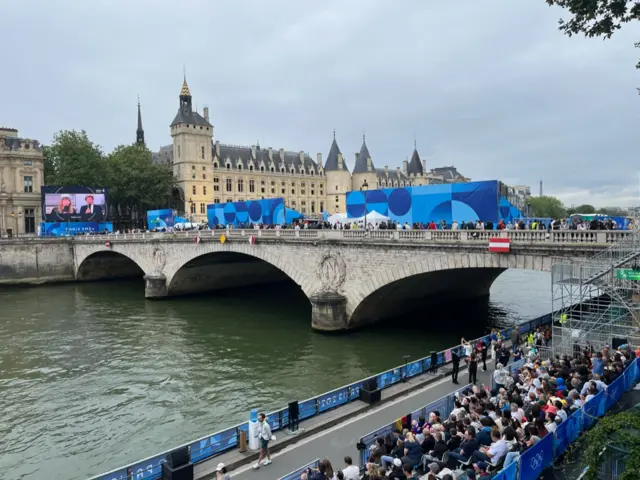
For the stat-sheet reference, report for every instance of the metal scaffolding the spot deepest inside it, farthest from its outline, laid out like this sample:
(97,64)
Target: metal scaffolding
(597,300)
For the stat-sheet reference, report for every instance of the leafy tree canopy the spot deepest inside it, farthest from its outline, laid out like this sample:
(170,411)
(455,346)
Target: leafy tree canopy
(547,207)
(598,18)
(73,159)
(586,208)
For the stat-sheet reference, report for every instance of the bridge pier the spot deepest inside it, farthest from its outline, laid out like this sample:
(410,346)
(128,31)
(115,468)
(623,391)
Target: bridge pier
(155,286)
(328,312)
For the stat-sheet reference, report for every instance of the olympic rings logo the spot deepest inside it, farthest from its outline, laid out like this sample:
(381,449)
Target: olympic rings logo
(537,461)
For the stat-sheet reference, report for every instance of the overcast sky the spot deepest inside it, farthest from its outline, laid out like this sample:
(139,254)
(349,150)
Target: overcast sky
(490,86)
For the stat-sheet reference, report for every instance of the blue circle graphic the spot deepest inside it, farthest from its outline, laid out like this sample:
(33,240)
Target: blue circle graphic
(229,212)
(399,202)
(255,211)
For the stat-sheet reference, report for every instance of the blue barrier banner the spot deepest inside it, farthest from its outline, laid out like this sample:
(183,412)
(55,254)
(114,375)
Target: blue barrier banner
(214,444)
(534,460)
(307,409)
(389,377)
(333,399)
(148,469)
(508,473)
(590,412)
(274,419)
(427,364)
(441,358)
(414,368)
(441,406)
(296,474)
(122,474)
(602,404)
(354,393)
(614,392)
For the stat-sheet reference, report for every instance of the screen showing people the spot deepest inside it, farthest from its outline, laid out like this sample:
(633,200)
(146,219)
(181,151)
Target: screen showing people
(81,207)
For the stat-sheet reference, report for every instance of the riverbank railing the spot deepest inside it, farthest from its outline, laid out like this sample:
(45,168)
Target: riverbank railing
(228,439)
(595,237)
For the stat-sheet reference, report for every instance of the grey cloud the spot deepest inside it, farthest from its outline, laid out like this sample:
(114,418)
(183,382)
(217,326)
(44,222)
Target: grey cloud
(492,87)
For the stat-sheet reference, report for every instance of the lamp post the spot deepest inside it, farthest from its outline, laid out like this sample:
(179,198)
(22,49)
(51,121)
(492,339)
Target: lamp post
(364,189)
(190,210)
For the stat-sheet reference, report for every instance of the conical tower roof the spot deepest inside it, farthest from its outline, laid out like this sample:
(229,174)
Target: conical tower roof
(415,164)
(332,158)
(362,165)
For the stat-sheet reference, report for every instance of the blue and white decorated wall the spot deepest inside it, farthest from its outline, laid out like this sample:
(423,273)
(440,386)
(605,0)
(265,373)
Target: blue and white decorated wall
(459,201)
(267,211)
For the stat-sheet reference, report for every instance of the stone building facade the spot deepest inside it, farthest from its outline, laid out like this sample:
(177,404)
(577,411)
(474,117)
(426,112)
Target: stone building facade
(21,176)
(208,171)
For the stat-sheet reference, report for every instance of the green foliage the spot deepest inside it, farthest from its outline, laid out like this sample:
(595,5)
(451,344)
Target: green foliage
(586,208)
(134,180)
(73,159)
(598,18)
(621,431)
(614,211)
(547,207)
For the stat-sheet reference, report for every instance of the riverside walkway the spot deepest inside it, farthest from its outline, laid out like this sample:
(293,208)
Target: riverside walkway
(339,440)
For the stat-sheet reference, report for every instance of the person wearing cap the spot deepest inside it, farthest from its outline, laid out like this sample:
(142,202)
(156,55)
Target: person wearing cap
(396,469)
(221,472)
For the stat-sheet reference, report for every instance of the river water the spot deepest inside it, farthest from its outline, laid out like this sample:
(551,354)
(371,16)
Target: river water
(93,377)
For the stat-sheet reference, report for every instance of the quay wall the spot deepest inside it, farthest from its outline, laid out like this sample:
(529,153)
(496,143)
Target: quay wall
(34,261)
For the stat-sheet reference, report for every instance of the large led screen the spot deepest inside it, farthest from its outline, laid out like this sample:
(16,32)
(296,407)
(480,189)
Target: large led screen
(74,204)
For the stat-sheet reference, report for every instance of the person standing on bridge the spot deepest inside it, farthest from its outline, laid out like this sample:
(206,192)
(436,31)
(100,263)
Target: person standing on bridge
(473,369)
(264,435)
(455,361)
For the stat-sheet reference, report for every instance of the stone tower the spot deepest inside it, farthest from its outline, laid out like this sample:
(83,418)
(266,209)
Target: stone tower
(338,179)
(364,170)
(192,136)
(416,169)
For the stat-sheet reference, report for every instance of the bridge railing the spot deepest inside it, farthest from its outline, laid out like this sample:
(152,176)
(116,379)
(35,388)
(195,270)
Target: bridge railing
(596,237)
(224,440)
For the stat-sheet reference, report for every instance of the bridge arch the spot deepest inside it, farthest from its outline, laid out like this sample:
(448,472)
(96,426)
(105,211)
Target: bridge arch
(214,266)
(443,277)
(107,264)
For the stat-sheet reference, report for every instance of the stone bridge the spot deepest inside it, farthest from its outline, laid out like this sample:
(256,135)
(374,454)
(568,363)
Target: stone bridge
(350,277)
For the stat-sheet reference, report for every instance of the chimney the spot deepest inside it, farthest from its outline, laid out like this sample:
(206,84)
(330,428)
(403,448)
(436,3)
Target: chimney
(319,160)
(340,161)
(369,164)
(357,157)
(270,153)
(218,148)
(398,171)
(405,166)
(301,154)
(253,151)
(424,166)
(206,113)
(386,170)
(281,152)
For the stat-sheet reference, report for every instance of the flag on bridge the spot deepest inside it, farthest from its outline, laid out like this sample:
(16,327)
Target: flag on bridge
(499,245)
(197,240)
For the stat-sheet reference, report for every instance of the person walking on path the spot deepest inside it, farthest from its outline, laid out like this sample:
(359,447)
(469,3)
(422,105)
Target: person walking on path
(264,435)
(455,361)
(473,369)
(483,355)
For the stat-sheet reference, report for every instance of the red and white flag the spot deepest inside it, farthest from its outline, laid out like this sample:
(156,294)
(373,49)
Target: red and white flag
(499,245)
(197,240)
(252,240)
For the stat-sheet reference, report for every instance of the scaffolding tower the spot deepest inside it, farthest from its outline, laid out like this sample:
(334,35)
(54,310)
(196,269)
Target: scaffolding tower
(596,300)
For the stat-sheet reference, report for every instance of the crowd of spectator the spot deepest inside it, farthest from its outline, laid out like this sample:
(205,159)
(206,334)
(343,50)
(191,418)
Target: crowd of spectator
(490,428)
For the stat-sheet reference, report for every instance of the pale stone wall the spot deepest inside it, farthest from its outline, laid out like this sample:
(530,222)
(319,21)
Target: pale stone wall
(193,167)
(338,184)
(32,262)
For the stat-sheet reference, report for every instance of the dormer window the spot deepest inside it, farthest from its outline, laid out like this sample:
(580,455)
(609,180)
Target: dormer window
(239,166)
(251,168)
(215,164)
(293,171)
(262,168)
(282,170)
(228,165)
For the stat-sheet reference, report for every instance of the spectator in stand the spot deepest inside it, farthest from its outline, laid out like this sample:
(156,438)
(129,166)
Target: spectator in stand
(350,471)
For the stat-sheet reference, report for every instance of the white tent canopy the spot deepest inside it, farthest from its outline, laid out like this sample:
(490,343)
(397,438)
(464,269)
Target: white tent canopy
(338,218)
(373,218)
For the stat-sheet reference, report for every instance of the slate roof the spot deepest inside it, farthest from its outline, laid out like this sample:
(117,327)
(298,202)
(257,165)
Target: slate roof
(448,173)
(187,115)
(394,174)
(332,159)
(164,155)
(245,155)
(415,164)
(14,143)
(361,165)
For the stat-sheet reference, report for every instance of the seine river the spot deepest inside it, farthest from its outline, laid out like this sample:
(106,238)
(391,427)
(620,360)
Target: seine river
(92,376)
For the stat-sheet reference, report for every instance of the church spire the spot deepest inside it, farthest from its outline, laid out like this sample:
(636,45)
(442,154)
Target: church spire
(139,131)
(185,96)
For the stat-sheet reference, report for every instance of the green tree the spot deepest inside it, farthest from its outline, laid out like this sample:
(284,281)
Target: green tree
(621,431)
(614,211)
(547,207)
(598,18)
(135,182)
(586,208)
(73,159)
